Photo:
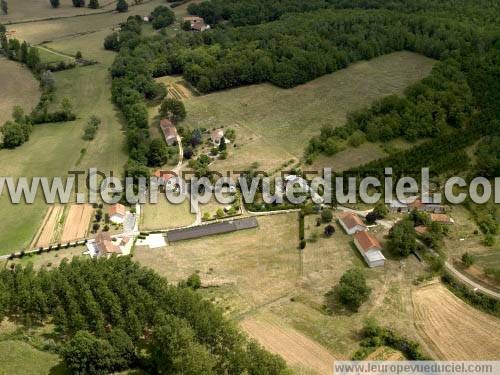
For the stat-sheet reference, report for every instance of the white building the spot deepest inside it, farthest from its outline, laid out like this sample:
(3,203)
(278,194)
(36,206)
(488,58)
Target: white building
(351,223)
(369,248)
(117,213)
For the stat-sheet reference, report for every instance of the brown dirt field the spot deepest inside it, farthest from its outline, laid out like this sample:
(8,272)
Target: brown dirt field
(295,348)
(77,222)
(453,329)
(49,226)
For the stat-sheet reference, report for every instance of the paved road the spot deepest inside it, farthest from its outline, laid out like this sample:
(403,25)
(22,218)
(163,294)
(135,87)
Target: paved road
(470,282)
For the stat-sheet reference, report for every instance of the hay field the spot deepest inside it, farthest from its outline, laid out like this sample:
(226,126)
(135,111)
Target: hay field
(18,87)
(77,222)
(30,10)
(296,349)
(48,228)
(274,125)
(260,273)
(55,29)
(453,329)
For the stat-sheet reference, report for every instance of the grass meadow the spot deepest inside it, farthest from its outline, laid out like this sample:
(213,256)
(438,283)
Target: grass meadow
(19,87)
(260,274)
(273,125)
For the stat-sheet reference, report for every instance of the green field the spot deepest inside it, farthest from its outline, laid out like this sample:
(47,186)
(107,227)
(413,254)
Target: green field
(54,149)
(55,29)
(20,358)
(260,272)
(19,87)
(274,125)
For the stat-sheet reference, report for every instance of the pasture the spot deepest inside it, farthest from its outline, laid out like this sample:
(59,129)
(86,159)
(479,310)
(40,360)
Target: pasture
(259,278)
(18,357)
(453,329)
(60,28)
(19,87)
(89,91)
(274,125)
(164,215)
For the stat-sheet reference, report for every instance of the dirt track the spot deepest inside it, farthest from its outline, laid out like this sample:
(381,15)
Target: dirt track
(49,226)
(77,222)
(295,348)
(453,329)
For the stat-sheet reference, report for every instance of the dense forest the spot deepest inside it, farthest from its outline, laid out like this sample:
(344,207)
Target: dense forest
(111,315)
(291,42)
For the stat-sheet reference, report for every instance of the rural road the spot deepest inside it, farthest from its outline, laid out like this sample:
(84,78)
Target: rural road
(470,282)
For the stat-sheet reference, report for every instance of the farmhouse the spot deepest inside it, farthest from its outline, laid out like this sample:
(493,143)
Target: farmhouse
(197,23)
(351,223)
(426,207)
(406,205)
(217,136)
(211,229)
(370,249)
(117,213)
(166,179)
(105,246)
(442,218)
(169,131)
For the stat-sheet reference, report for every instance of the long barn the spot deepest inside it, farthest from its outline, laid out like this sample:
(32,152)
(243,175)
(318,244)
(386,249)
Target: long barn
(211,229)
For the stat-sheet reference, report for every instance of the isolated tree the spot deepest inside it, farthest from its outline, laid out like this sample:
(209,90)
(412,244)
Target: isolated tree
(402,238)
(4,6)
(122,6)
(329,230)
(352,290)
(55,3)
(78,55)
(326,216)
(468,259)
(194,281)
(173,109)
(94,4)
(222,144)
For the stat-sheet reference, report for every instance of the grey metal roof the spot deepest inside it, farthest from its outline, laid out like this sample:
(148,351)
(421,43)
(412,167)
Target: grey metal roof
(211,229)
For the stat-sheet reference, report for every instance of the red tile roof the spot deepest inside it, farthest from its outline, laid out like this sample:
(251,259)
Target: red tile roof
(441,218)
(350,220)
(105,245)
(366,241)
(118,209)
(421,229)
(165,175)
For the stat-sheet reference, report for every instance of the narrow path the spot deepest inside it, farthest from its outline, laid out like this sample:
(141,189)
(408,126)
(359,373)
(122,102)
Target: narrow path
(470,282)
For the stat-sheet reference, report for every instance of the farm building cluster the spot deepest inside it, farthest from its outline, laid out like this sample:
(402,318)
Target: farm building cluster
(368,246)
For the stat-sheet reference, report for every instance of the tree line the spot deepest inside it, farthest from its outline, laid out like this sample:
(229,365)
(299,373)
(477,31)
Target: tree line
(17,131)
(112,315)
